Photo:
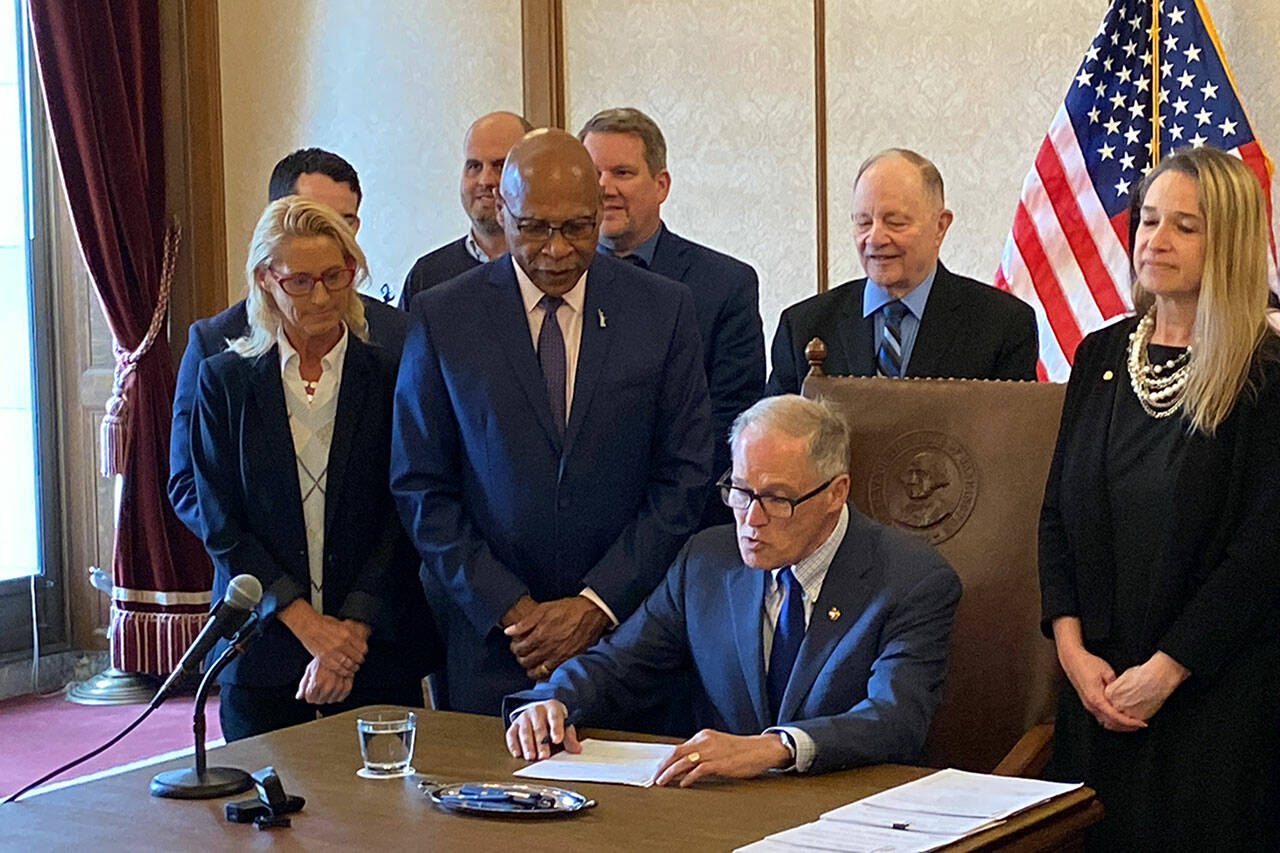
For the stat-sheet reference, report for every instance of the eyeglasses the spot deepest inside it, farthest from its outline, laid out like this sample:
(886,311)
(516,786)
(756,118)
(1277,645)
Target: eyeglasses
(581,228)
(301,284)
(774,506)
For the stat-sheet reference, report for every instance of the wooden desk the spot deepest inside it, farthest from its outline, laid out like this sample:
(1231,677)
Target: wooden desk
(319,760)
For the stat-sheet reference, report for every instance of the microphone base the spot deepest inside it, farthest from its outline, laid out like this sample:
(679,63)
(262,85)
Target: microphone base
(187,784)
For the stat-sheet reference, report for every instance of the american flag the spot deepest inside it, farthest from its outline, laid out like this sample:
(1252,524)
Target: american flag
(1067,253)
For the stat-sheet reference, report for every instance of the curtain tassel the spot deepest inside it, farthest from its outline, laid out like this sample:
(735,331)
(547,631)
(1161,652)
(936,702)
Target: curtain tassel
(113,435)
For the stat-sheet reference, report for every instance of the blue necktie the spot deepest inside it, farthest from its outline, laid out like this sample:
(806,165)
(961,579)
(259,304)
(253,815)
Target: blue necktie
(788,634)
(551,357)
(889,354)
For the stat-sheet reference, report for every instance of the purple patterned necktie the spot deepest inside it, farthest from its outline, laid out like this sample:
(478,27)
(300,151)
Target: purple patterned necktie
(551,357)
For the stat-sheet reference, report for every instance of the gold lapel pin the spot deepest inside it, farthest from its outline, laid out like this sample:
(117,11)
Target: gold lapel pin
(833,614)
(1106,377)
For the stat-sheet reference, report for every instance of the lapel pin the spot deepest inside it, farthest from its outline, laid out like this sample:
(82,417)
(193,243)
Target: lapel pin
(603,324)
(1106,377)
(833,614)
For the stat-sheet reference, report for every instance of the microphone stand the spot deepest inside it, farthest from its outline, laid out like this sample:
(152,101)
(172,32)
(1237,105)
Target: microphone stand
(203,782)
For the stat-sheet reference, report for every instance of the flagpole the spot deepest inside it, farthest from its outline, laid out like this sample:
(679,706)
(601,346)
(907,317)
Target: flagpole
(1155,82)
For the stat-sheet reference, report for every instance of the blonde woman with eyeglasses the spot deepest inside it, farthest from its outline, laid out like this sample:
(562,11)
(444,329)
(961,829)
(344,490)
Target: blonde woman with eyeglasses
(291,440)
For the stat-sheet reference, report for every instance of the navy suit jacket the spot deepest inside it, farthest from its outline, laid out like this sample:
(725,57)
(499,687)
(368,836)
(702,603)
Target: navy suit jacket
(498,504)
(726,298)
(249,501)
(206,337)
(969,331)
(436,267)
(864,686)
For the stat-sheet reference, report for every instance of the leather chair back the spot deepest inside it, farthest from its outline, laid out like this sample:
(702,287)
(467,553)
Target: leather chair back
(963,464)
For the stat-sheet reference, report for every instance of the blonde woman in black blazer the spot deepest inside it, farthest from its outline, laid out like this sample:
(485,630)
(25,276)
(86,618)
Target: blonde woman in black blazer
(290,444)
(1160,532)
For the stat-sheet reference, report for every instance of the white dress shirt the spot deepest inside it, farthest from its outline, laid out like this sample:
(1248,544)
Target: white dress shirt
(570,318)
(811,572)
(311,418)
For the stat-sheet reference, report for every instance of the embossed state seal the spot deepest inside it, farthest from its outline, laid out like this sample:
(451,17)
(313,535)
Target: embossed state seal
(925,482)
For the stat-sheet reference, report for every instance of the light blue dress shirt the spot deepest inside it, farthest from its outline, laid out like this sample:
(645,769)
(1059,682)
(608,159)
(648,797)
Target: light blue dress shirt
(644,251)
(875,297)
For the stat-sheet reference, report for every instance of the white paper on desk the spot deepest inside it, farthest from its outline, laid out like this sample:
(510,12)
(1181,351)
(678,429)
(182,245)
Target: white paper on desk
(858,838)
(613,761)
(964,794)
(873,815)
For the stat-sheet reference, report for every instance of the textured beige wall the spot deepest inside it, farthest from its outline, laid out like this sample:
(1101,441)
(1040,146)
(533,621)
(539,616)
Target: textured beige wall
(731,85)
(973,86)
(391,85)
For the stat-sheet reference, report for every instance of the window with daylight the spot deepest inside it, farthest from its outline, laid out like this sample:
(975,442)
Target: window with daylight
(26,482)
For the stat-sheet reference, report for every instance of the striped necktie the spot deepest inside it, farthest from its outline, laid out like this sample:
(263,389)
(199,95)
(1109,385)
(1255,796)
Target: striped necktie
(889,355)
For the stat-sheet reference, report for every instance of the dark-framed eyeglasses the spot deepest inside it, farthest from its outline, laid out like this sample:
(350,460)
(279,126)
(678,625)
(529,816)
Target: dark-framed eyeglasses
(774,506)
(582,228)
(301,284)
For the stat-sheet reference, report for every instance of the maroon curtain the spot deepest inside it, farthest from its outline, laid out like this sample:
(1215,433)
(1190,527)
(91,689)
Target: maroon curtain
(100,65)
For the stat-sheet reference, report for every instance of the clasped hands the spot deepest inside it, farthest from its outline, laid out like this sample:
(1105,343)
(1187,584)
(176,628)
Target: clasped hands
(545,634)
(338,648)
(707,754)
(1124,703)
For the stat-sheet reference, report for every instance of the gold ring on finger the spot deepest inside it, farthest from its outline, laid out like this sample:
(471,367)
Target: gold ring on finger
(694,757)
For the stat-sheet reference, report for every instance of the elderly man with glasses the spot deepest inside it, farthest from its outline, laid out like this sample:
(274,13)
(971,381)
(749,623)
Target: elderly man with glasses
(819,636)
(552,443)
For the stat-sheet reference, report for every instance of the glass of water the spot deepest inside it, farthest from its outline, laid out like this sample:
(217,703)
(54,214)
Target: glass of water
(386,743)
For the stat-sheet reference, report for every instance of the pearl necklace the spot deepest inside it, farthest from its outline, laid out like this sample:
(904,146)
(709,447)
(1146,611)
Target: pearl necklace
(1158,387)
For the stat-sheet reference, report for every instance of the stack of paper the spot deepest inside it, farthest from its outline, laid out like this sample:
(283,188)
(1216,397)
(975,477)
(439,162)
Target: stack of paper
(917,817)
(615,761)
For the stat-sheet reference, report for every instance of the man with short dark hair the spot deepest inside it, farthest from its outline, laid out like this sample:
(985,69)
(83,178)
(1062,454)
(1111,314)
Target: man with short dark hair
(551,443)
(628,148)
(819,637)
(911,316)
(321,176)
(484,149)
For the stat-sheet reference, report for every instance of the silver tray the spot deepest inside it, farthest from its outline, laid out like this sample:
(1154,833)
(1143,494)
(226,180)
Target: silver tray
(554,801)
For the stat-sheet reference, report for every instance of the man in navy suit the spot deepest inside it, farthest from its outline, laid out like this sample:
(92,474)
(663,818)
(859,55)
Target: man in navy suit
(484,149)
(819,636)
(320,176)
(552,439)
(629,150)
(911,316)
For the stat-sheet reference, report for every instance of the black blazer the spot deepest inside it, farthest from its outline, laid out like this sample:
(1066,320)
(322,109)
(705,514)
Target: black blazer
(436,267)
(1225,546)
(251,508)
(969,331)
(206,337)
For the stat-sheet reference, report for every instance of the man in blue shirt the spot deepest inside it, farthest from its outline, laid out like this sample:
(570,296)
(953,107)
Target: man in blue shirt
(630,152)
(911,316)
(818,637)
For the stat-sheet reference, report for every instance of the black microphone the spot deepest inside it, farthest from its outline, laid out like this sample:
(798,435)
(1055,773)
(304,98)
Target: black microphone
(243,594)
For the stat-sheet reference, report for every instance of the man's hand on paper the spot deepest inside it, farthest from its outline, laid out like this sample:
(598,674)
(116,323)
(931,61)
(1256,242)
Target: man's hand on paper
(536,728)
(710,753)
